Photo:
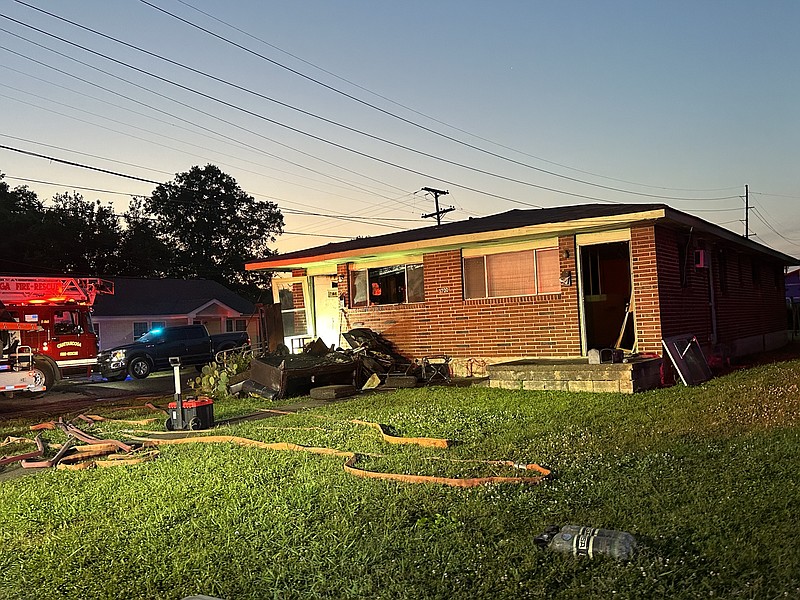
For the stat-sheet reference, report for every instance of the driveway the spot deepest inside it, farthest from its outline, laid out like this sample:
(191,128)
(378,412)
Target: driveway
(71,395)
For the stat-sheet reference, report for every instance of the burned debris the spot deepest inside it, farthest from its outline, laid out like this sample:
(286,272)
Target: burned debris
(370,356)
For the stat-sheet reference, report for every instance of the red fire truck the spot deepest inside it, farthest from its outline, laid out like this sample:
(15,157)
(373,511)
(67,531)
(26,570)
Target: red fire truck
(56,315)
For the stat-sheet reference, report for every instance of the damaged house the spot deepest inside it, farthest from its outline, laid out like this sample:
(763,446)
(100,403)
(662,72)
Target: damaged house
(551,284)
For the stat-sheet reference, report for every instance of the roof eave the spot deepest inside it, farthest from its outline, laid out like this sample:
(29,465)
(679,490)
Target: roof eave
(455,241)
(726,234)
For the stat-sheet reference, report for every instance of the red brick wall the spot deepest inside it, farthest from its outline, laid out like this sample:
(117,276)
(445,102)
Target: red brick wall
(485,330)
(744,309)
(645,290)
(482,330)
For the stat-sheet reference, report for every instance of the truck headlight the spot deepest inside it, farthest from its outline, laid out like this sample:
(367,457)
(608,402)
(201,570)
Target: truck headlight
(118,355)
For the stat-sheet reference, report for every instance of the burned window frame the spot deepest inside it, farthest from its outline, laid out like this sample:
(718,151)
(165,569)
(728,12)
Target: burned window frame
(387,285)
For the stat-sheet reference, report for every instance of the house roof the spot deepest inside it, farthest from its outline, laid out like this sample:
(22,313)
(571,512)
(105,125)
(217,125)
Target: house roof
(506,226)
(133,296)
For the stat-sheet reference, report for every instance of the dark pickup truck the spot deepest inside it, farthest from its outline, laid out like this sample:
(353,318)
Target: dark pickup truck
(152,351)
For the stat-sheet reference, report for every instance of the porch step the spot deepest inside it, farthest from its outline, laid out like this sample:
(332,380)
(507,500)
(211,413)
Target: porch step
(576,375)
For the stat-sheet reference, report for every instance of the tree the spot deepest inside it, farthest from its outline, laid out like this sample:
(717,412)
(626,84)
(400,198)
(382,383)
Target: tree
(82,236)
(141,252)
(21,214)
(213,227)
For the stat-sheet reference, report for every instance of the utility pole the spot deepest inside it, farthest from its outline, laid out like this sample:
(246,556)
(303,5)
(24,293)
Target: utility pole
(439,212)
(746,211)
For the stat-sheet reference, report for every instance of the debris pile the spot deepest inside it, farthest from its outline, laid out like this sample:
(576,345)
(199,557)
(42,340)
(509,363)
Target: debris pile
(281,375)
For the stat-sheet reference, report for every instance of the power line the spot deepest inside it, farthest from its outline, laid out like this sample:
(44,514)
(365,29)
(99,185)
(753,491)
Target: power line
(360,101)
(324,119)
(208,114)
(75,164)
(434,119)
(269,120)
(68,185)
(155,133)
(351,218)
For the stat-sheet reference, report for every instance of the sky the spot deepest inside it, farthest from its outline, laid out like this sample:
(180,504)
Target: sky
(341,112)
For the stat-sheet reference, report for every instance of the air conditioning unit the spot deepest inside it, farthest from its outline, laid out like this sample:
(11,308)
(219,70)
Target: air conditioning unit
(701,259)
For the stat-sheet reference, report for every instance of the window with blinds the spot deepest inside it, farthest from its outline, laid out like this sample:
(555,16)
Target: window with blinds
(522,273)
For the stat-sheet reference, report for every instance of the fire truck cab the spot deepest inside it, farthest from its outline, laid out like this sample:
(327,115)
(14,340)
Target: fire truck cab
(57,314)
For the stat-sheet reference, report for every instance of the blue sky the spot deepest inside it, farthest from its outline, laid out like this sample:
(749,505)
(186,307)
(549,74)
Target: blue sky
(681,102)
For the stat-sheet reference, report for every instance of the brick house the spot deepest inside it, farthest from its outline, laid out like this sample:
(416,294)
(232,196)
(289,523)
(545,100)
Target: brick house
(545,283)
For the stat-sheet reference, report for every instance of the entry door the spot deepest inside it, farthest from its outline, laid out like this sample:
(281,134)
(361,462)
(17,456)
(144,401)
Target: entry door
(606,300)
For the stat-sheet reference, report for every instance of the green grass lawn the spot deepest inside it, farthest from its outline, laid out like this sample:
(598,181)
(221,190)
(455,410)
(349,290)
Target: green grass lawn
(706,479)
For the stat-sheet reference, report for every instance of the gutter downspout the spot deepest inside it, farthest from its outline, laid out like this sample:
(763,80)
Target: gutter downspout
(712,301)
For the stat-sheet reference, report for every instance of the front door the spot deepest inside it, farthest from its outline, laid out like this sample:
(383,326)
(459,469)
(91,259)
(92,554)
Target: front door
(607,301)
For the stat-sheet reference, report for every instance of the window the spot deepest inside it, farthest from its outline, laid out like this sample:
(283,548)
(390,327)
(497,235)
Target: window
(157,325)
(522,273)
(291,294)
(397,284)
(66,322)
(235,325)
(139,329)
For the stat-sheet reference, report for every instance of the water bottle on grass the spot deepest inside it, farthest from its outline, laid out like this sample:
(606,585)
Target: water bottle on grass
(588,541)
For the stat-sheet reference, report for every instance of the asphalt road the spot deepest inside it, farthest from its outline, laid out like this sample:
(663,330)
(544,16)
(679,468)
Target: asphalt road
(70,396)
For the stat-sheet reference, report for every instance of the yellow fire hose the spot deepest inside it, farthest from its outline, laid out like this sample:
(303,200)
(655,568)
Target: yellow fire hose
(79,459)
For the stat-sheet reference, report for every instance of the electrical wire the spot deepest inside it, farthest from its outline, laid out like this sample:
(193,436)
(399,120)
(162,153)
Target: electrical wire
(185,105)
(316,116)
(352,218)
(75,164)
(356,99)
(434,119)
(155,133)
(251,113)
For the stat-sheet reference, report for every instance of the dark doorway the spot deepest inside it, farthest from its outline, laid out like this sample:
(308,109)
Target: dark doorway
(606,288)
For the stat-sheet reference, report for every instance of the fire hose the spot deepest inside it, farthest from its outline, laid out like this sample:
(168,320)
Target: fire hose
(96,447)
(352,458)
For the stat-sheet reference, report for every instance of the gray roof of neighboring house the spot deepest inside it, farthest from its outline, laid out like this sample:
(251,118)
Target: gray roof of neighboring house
(522,218)
(134,296)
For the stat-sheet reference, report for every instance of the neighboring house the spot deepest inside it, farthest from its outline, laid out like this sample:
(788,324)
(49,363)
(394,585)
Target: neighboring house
(552,283)
(139,305)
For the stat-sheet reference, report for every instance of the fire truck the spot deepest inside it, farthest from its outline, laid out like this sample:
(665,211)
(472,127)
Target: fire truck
(54,324)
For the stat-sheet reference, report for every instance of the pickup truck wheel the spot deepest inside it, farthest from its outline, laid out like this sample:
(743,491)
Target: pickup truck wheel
(139,367)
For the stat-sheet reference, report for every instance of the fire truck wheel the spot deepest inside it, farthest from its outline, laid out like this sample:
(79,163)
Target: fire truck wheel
(44,375)
(139,367)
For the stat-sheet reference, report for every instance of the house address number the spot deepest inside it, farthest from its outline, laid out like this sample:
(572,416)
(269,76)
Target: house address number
(444,290)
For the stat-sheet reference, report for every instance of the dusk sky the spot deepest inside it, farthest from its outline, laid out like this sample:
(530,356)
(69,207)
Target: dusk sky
(345,110)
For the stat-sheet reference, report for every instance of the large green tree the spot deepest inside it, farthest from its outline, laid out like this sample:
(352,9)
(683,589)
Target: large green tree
(141,253)
(21,215)
(213,227)
(82,235)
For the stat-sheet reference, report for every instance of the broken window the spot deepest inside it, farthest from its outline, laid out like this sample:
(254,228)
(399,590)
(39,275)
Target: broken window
(522,273)
(396,284)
